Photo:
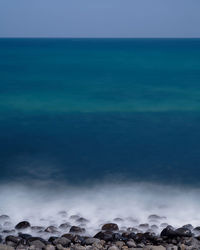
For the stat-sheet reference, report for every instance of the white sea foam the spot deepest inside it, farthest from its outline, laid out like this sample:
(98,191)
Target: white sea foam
(100,204)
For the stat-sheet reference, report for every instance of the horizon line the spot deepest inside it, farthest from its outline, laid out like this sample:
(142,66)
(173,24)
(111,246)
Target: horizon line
(66,37)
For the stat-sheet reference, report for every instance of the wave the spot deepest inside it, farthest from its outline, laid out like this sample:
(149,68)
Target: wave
(131,202)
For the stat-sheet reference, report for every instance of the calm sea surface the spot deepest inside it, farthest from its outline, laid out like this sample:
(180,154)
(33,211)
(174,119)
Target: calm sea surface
(86,110)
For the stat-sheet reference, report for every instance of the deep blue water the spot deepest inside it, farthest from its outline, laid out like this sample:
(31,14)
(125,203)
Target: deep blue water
(85,110)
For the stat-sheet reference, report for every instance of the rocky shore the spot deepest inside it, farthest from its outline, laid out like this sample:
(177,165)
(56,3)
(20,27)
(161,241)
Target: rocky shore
(153,235)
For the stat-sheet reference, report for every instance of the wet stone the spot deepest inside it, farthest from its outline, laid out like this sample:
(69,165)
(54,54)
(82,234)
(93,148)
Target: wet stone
(22,225)
(62,241)
(110,227)
(38,244)
(107,236)
(183,232)
(68,236)
(14,239)
(90,241)
(51,229)
(75,229)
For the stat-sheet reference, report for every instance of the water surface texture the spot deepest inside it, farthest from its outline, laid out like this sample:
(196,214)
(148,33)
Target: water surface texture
(86,110)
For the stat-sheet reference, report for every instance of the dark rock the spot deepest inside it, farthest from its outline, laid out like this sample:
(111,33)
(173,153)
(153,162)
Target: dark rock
(75,229)
(107,236)
(78,239)
(169,232)
(110,227)
(90,241)
(64,225)
(52,238)
(118,237)
(13,239)
(62,241)
(129,235)
(1,239)
(22,225)
(37,238)
(51,229)
(68,236)
(24,236)
(139,238)
(183,232)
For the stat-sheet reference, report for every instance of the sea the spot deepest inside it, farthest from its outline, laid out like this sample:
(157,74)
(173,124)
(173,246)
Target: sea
(103,128)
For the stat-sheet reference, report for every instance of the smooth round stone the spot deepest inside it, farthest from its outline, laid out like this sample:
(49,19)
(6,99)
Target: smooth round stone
(51,229)
(107,236)
(110,227)
(75,229)
(91,241)
(38,244)
(22,225)
(62,241)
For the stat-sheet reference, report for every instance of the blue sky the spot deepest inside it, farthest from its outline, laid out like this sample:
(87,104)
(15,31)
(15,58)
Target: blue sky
(99,18)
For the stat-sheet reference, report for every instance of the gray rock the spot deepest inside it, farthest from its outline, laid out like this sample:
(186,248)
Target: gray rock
(131,243)
(154,248)
(62,241)
(49,247)
(171,247)
(119,244)
(78,247)
(5,247)
(113,248)
(38,244)
(51,229)
(60,247)
(91,241)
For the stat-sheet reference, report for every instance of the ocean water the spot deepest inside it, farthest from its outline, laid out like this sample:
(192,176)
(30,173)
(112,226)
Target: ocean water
(106,122)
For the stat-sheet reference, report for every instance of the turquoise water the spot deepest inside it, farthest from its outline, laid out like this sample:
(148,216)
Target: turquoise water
(85,110)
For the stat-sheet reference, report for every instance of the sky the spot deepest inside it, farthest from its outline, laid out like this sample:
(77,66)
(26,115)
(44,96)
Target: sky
(100,18)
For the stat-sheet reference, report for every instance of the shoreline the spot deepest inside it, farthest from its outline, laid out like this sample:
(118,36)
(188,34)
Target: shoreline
(111,236)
